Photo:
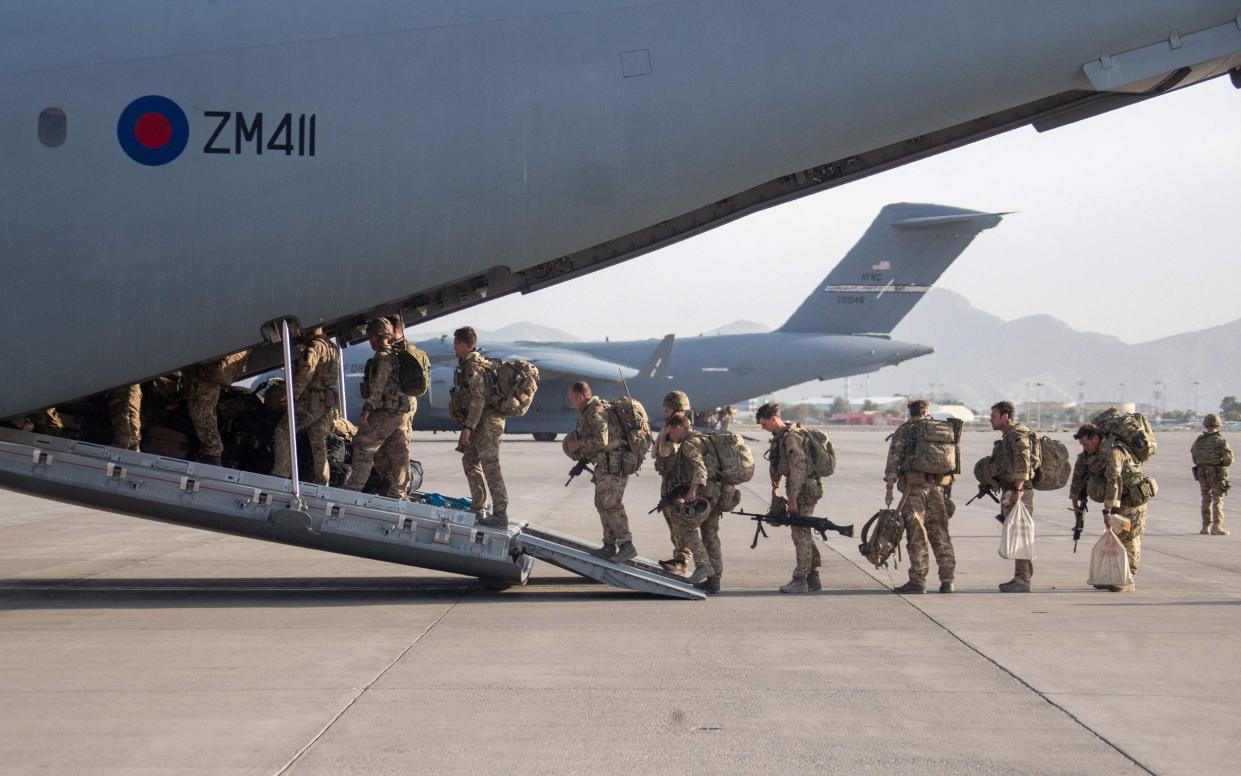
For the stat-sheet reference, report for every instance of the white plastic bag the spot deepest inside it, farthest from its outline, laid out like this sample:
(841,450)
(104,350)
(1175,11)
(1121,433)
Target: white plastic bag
(1017,538)
(1109,563)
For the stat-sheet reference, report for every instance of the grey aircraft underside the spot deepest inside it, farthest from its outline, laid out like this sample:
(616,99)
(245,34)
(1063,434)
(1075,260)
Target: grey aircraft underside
(840,329)
(178,175)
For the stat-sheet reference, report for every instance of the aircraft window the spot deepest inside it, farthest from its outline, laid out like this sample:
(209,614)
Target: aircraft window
(53,127)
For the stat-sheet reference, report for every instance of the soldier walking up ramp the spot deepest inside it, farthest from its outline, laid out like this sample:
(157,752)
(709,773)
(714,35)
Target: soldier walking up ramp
(260,506)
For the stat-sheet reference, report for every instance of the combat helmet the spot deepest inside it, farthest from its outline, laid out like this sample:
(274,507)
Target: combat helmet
(1210,420)
(380,326)
(677,401)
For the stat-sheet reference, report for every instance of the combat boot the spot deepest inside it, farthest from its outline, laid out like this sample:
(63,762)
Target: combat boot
(673,566)
(625,554)
(712,585)
(605,552)
(814,582)
(1129,588)
(495,520)
(1219,530)
(1206,529)
(702,572)
(1014,586)
(795,585)
(910,587)
(946,587)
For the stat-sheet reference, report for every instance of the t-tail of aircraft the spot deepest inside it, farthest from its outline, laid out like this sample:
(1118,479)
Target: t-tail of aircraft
(905,250)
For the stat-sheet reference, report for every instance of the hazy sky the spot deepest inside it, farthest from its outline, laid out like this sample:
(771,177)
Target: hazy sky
(1126,224)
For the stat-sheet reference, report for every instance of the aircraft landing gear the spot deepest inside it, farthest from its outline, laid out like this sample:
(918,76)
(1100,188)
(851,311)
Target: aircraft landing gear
(544,436)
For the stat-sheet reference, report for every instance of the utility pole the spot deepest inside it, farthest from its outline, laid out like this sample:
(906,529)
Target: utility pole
(1195,398)
(1038,404)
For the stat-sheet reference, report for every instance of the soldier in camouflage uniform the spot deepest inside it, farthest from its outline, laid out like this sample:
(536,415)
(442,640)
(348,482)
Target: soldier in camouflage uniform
(125,412)
(482,429)
(790,467)
(46,421)
(315,380)
(1100,470)
(203,397)
(924,508)
(664,454)
(1212,456)
(698,510)
(599,441)
(1012,466)
(384,412)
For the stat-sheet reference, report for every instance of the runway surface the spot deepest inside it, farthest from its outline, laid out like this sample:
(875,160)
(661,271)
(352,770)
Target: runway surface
(133,647)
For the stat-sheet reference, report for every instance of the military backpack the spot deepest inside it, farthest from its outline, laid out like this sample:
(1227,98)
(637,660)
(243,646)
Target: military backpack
(734,459)
(881,536)
(511,386)
(630,415)
(936,447)
(1052,469)
(413,370)
(820,454)
(1211,450)
(1131,429)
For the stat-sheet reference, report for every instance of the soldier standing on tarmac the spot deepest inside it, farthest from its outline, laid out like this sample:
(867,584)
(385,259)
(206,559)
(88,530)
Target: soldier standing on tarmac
(665,452)
(1012,466)
(315,380)
(697,513)
(203,398)
(599,441)
(790,466)
(384,412)
(482,429)
(1212,456)
(925,508)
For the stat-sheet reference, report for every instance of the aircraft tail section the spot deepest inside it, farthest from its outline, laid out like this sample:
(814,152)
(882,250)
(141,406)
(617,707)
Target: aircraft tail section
(905,250)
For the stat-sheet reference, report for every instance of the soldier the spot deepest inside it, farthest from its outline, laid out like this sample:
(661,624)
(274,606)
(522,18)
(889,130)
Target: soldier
(315,380)
(388,462)
(600,441)
(125,412)
(789,464)
(385,412)
(1100,470)
(203,398)
(924,507)
(698,510)
(665,451)
(482,429)
(1212,456)
(1012,466)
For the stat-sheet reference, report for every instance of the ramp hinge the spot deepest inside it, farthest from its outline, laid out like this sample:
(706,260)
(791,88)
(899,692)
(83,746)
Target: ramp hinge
(41,457)
(332,510)
(117,472)
(261,497)
(189,485)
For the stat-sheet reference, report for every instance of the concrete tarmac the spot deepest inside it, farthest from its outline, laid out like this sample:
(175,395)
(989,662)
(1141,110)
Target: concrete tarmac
(133,647)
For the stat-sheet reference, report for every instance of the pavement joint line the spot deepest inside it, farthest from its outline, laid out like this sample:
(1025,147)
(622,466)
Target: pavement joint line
(141,561)
(323,731)
(1042,695)
(1158,551)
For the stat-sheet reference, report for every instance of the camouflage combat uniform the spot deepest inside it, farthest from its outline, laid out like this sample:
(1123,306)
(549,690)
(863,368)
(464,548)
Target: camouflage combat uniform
(1012,461)
(46,421)
(481,459)
(386,429)
(790,466)
(1212,457)
(602,442)
(677,401)
(314,396)
(925,509)
(203,397)
(388,463)
(701,533)
(1102,475)
(125,412)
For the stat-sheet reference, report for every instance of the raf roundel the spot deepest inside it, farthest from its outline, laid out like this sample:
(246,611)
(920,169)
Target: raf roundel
(153,130)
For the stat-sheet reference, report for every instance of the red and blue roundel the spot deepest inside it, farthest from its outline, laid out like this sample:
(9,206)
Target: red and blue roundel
(153,130)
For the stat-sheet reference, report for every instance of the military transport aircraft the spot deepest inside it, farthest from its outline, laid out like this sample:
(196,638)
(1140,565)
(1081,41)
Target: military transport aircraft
(841,329)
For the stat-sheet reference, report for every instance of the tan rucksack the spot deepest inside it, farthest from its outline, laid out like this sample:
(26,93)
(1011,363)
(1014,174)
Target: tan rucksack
(881,536)
(630,415)
(1052,468)
(511,386)
(1132,429)
(734,458)
(936,448)
(820,454)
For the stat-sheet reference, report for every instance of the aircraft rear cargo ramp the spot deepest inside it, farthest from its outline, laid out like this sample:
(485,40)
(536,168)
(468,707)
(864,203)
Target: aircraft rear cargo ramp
(215,498)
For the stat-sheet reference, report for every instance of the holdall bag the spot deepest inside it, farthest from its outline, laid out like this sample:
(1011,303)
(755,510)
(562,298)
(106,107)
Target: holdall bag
(1109,563)
(1017,538)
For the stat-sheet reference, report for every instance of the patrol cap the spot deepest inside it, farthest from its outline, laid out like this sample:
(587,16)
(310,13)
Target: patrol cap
(380,326)
(677,401)
(1210,421)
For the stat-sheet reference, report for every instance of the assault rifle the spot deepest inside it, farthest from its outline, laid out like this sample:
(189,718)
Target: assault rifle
(1079,508)
(578,468)
(820,525)
(669,499)
(984,490)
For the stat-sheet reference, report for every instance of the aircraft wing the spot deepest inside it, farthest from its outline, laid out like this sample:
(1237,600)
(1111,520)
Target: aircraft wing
(563,361)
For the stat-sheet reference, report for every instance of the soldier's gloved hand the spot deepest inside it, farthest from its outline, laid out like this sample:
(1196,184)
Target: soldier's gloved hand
(887,496)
